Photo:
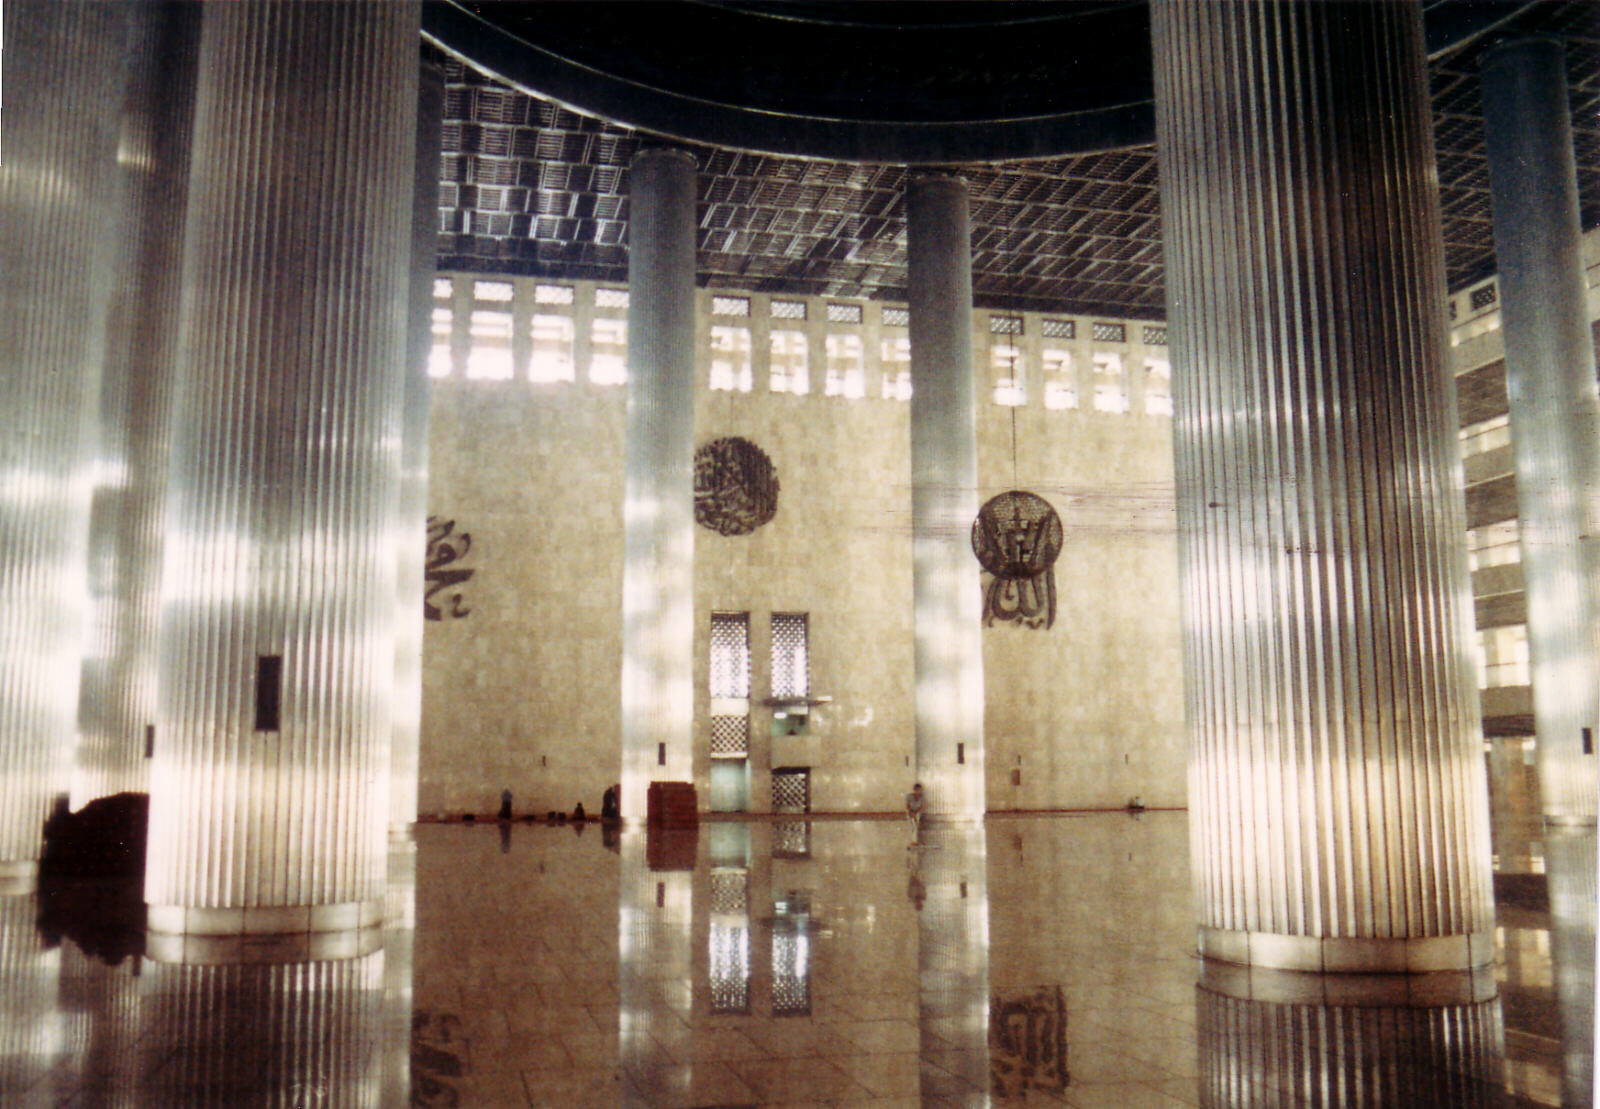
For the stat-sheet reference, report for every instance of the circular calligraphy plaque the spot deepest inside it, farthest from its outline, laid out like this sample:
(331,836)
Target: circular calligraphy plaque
(735,486)
(1016,535)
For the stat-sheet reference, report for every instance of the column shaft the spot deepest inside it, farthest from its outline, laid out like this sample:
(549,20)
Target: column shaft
(1555,406)
(64,66)
(658,499)
(117,701)
(412,527)
(269,788)
(946,592)
(1337,795)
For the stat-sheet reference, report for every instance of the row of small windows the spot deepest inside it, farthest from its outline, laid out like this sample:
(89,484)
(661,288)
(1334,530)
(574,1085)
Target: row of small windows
(552,349)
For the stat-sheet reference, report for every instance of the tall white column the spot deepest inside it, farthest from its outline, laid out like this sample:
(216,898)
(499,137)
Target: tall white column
(64,67)
(269,787)
(117,700)
(1555,406)
(658,498)
(411,529)
(946,591)
(1338,809)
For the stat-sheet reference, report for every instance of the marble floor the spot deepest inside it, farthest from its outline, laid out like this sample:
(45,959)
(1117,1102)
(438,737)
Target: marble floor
(1026,961)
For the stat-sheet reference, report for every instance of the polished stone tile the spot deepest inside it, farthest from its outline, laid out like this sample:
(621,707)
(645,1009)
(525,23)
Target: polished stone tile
(1037,962)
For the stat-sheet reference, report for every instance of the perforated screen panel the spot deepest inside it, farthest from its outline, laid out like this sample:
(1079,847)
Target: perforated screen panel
(791,655)
(730,891)
(730,735)
(791,790)
(730,654)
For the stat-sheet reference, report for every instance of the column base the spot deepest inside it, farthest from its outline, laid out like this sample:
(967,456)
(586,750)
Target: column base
(262,950)
(19,876)
(1332,955)
(264,920)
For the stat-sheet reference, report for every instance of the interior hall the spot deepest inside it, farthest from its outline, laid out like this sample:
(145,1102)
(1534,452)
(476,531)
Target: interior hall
(704,554)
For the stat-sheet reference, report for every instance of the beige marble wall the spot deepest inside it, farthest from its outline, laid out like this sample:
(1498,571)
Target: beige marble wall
(522,693)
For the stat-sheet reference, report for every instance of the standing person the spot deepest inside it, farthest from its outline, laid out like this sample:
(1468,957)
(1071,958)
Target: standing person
(914,812)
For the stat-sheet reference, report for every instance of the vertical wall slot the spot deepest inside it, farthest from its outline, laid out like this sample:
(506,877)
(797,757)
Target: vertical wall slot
(661,754)
(661,895)
(149,741)
(961,753)
(1588,741)
(269,692)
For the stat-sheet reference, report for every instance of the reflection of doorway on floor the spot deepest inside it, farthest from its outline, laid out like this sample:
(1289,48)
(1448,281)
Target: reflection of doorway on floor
(730,785)
(791,789)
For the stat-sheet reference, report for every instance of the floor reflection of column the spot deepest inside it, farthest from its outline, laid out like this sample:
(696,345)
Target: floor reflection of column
(99,1008)
(289,1034)
(30,1022)
(399,947)
(1286,1039)
(953,963)
(1570,870)
(655,919)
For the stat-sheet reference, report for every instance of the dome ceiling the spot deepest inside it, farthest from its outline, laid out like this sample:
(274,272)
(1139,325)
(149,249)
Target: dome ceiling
(532,184)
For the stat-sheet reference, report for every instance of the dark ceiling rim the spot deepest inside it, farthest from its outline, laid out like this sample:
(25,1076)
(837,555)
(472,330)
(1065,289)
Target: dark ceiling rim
(541,73)
(683,117)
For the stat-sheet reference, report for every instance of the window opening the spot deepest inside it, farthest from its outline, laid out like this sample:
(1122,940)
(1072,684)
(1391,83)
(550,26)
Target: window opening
(730,359)
(1503,657)
(844,313)
(1158,386)
(1060,387)
(1493,545)
(1110,394)
(552,294)
(441,358)
(552,349)
(789,371)
(788,309)
(895,355)
(730,306)
(845,374)
(1005,364)
(489,358)
(608,351)
(1485,435)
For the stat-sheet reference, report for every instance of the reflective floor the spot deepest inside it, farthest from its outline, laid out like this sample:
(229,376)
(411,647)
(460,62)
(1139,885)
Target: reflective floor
(1028,961)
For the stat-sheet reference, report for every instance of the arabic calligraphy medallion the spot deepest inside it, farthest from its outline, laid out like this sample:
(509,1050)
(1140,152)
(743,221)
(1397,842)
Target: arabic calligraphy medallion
(1017,538)
(735,486)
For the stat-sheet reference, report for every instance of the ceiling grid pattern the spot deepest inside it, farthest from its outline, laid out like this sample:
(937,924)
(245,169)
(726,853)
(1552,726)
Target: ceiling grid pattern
(532,188)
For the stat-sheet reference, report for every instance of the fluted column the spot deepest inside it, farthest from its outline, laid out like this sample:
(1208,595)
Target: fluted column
(1369,1047)
(64,67)
(117,701)
(1338,810)
(658,499)
(269,789)
(1555,406)
(279,1036)
(953,966)
(32,1036)
(946,592)
(655,962)
(411,528)
(1570,871)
